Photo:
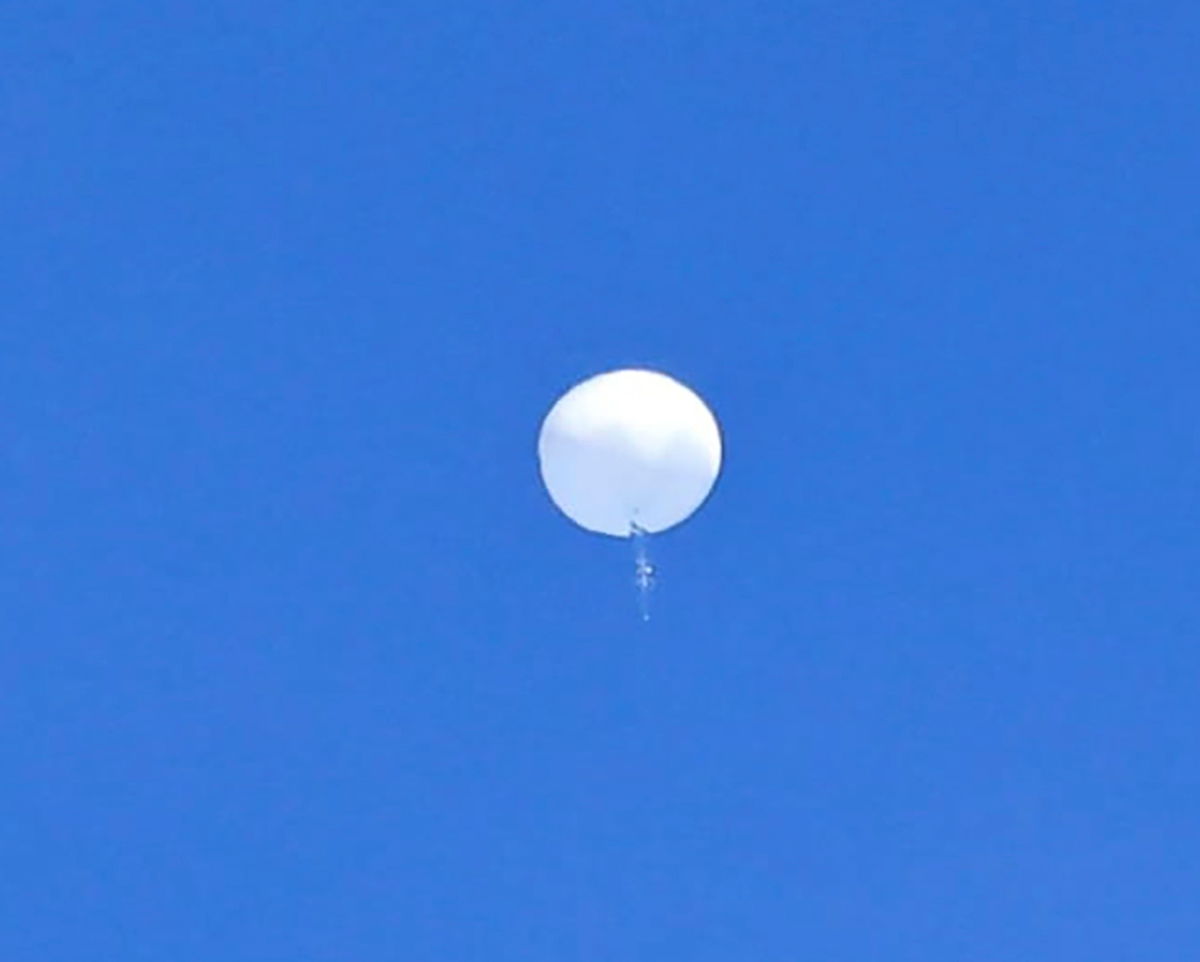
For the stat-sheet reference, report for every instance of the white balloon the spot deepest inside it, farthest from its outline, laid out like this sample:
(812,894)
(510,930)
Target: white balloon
(629,448)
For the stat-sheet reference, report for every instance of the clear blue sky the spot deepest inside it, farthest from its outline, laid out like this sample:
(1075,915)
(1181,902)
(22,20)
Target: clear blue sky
(300,664)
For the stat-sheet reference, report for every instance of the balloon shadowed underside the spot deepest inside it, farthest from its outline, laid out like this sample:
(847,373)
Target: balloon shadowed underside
(630,448)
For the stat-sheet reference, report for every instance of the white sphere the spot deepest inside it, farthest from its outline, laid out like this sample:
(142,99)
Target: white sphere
(626,448)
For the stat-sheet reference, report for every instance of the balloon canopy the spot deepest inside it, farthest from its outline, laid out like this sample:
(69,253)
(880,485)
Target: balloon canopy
(629,450)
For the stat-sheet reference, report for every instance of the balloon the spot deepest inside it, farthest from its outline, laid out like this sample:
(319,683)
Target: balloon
(628,451)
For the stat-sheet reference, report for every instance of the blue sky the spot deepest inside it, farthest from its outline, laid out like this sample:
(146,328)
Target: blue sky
(299,662)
